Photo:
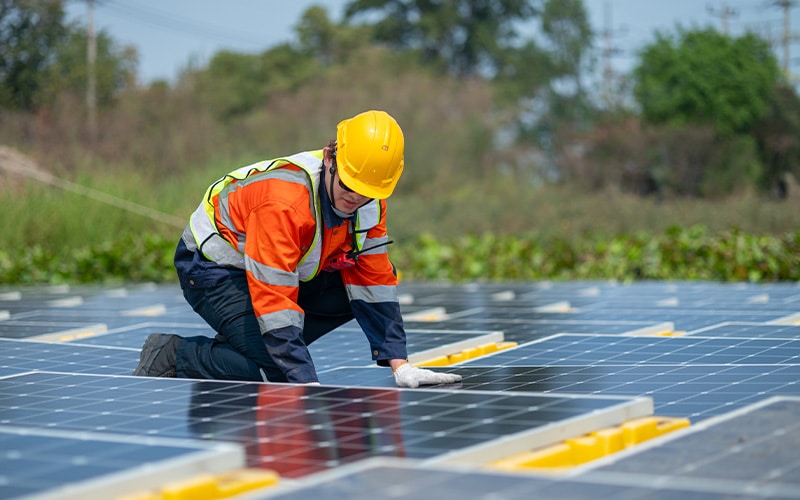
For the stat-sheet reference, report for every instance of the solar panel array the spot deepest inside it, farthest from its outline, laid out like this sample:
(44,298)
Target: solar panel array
(588,355)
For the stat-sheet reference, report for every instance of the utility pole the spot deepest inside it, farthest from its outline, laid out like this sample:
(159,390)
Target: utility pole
(787,38)
(608,51)
(725,13)
(91,56)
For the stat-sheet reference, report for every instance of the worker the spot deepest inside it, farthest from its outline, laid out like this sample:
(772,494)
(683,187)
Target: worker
(283,251)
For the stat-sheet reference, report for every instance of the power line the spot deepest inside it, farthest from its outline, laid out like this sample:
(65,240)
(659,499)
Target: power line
(15,165)
(725,13)
(609,50)
(169,21)
(788,37)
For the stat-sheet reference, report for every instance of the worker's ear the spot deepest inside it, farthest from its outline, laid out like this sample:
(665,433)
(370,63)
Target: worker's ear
(328,155)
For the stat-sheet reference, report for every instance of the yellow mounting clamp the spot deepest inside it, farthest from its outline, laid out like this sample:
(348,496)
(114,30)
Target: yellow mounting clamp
(471,353)
(583,449)
(210,486)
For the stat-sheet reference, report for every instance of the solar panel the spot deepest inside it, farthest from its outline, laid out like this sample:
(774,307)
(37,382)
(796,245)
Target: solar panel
(382,478)
(749,330)
(133,336)
(347,345)
(750,453)
(692,391)
(752,450)
(19,356)
(96,465)
(591,353)
(521,330)
(617,350)
(297,430)
(21,329)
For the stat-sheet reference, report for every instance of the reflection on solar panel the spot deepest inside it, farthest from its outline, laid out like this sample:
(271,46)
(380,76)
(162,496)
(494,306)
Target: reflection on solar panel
(747,454)
(297,430)
(591,355)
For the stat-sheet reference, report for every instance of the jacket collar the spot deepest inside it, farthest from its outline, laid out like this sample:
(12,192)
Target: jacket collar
(329,217)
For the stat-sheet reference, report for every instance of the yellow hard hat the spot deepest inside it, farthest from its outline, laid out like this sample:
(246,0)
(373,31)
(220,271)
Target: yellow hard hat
(369,153)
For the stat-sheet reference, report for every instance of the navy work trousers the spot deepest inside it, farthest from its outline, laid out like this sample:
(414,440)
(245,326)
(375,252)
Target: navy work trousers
(238,351)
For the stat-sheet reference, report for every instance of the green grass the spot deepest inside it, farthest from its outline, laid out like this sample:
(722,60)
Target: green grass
(55,219)
(470,232)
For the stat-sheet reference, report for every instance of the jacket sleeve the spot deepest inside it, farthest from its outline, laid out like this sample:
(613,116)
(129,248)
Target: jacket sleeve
(275,232)
(372,288)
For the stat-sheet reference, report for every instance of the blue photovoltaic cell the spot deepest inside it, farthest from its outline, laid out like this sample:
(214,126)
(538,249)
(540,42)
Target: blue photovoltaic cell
(294,429)
(521,331)
(18,356)
(683,320)
(750,330)
(21,329)
(582,344)
(404,480)
(616,350)
(348,346)
(692,391)
(133,336)
(34,462)
(752,450)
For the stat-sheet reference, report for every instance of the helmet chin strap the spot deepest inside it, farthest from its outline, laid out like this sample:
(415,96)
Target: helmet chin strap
(331,171)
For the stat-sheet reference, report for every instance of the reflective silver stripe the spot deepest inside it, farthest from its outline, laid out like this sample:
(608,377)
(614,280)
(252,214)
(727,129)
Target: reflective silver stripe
(367,217)
(203,230)
(213,246)
(309,264)
(270,275)
(188,238)
(373,242)
(308,268)
(372,294)
(280,319)
(278,173)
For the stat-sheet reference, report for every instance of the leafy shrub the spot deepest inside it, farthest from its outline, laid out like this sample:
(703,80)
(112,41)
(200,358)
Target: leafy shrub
(691,253)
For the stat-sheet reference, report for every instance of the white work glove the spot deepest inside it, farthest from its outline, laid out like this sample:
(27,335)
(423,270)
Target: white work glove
(408,375)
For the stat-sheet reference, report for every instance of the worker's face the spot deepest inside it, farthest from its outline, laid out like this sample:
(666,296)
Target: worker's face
(344,198)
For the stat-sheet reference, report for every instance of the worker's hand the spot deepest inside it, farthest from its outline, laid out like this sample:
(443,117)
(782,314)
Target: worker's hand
(407,375)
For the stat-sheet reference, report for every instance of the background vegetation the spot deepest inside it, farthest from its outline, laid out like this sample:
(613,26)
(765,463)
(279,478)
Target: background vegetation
(518,169)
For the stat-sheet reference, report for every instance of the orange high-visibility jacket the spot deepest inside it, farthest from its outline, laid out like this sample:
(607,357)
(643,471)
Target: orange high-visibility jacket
(266,218)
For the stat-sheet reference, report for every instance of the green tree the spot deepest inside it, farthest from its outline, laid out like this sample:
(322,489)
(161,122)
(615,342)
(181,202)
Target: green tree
(317,34)
(235,83)
(466,37)
(565,25)
(115,68)
(778,139)
(568,37)
(30,33)
(328,42)
(705,77)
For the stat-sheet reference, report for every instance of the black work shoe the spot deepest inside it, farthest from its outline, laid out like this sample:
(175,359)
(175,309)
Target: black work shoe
(159,353)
